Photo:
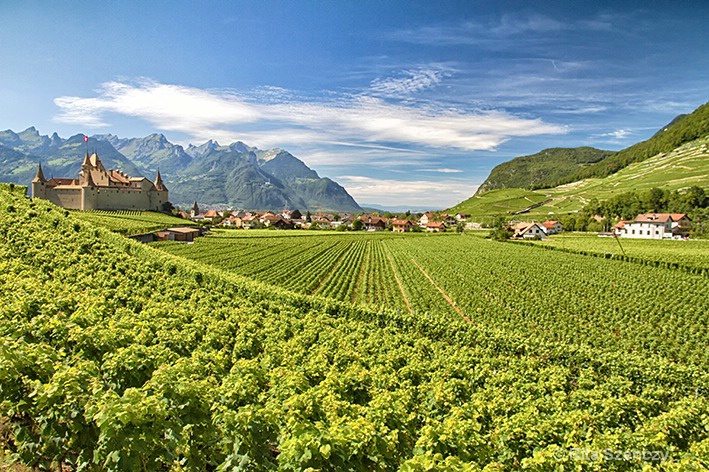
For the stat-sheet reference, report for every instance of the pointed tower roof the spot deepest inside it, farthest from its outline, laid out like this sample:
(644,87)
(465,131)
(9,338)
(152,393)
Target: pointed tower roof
(87,161)
(195,208)
(40,175)
(159,184)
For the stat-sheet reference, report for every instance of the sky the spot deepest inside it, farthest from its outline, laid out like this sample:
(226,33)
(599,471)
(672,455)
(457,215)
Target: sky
(404,103)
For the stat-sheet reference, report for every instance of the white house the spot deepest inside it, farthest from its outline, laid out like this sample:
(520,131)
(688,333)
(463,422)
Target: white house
(529,231)
(655,226)
(552,227)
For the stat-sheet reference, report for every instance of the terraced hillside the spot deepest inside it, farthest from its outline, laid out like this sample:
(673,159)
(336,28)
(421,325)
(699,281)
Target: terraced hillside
(681,168)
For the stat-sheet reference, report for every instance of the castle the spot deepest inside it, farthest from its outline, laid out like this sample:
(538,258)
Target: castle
(99,189)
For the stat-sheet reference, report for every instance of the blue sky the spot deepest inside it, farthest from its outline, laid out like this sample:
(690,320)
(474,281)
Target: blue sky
(405,103)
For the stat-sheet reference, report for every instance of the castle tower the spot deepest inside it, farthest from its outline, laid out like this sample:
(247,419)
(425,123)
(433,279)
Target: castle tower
(159,184)
(39,184)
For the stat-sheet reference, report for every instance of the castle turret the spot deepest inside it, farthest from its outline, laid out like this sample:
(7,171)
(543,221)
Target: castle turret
(87,161)
(159,184)
(40,175)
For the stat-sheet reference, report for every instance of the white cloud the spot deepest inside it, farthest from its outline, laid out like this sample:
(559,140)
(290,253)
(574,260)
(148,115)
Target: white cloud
(412,81)
(358,119)
(413,193)
(443,170)
(618,134)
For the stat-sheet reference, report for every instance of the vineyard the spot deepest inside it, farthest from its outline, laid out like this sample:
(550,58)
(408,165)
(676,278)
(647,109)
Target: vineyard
(130,222)
(120,356)
(552,295)
(692,254)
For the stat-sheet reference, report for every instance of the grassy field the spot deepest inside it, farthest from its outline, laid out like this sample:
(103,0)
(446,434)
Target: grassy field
(684,167)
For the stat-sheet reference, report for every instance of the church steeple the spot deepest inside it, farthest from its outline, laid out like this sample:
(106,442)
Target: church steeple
(40,175)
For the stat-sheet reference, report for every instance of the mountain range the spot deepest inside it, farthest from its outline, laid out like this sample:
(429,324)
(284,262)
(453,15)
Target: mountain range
(235,175)
(562,180)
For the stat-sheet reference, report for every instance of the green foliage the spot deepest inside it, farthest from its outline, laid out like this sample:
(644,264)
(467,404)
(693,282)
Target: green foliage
(543,169)
(131,222)
(118,356)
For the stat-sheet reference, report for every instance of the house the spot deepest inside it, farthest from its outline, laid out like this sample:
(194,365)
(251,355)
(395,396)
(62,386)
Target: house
(401,226)
(462,216)
(181,233)
(291,215)
(99,189)
(618,228)
(211,215)
(249,222)
(449,220)
(232,222)
(282,223)
(527,230)
(552,227)
(373,223)
(436,227)
(656,226)
(425,219)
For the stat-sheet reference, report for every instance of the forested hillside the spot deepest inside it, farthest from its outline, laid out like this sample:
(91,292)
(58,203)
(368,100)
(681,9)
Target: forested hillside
(542,169)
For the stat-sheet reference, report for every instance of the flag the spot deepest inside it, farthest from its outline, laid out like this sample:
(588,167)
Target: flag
(86,139)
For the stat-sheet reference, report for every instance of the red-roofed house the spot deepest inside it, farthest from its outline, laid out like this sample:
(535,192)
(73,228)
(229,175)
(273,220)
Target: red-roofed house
(401,226)
(436,227)
(656,226)
(552,226)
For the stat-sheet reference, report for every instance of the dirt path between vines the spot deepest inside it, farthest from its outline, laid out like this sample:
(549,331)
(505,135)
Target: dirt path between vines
(443,294)
(398,282)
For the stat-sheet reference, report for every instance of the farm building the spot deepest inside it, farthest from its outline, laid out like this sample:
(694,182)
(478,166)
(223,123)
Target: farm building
(655,226)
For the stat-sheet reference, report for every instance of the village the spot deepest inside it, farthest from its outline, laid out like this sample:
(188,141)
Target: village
(644,226)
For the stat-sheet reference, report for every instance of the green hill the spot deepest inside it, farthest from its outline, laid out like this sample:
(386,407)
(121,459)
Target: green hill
(542,169)
(681,130)
(683,167)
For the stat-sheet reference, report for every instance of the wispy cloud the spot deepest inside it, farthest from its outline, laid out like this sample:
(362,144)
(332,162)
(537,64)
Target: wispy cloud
(443,170)
(486,32)
(416,193)
(357,119)
(411,81)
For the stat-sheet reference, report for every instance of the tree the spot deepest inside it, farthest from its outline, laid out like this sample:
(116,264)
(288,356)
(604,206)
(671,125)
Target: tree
(357,225)
(460,227)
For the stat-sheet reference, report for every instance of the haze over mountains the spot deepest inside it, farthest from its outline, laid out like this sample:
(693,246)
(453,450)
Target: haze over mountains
(236,175)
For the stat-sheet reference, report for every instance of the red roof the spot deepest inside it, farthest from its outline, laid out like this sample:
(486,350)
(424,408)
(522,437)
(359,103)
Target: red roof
(658,217)
(436,224)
